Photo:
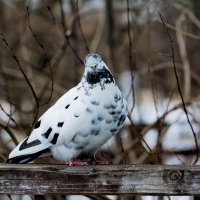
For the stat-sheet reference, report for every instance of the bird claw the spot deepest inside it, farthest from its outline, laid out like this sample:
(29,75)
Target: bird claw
(76,163)
(94,161)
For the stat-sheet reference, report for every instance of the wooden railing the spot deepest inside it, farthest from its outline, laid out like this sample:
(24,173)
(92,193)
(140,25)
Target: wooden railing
(99,179)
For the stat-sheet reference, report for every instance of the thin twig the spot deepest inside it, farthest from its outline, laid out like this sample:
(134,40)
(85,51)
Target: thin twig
(152,83)
(23,73)
(98,33)
(164,65)
(188,12)
(2,157)
(161,125)
(184,57)
(80,27)
(150,66)
(62,16)
(45,55)
(190,35)
(179,89)
(140,138)
(95,197)
(64,34)
(10,133)
(139,134)
(132,61)
(10,117)
(110,23)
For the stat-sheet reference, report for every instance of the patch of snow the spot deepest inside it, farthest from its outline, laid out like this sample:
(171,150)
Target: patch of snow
(76,197)
(8,110)
(179,136)
(167,197)
(150,138)
(175,160)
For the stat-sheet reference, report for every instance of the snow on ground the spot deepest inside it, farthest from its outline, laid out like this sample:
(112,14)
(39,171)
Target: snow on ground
(178,135)
(81,197)
(7,110)
(167,198)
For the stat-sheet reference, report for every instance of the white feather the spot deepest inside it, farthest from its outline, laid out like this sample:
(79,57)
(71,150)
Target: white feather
(80,118)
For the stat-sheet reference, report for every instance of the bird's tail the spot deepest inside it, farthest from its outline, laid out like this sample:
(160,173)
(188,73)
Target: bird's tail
(23,159)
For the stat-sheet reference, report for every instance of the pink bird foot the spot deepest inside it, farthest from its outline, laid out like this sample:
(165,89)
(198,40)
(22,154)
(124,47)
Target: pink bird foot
(76,163)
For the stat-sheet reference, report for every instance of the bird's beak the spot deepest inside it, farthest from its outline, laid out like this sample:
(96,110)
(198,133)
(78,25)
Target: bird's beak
(94,68)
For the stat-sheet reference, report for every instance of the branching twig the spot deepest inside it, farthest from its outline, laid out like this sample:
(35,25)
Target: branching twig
(147,128)
(98,34)
(186,11)
(10,118)
(150,66)
(139,134)
(151,126)
(190,35)
(2,157)
(132,61)
(64,34)
(80,27)
(183,55)
(23,73)
(110,23)
(164,65)
(140,138)
(10,132)
(179,89)
(152,83)
(45,55)
(62,16)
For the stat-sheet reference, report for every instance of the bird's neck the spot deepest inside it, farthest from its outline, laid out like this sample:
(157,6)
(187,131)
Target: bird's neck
(99,80)
(102,76)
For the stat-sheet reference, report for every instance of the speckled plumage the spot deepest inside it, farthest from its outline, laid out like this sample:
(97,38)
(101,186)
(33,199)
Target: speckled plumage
(81,121)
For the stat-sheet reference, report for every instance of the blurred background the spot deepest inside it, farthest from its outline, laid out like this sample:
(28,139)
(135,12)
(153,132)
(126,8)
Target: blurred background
(155,63)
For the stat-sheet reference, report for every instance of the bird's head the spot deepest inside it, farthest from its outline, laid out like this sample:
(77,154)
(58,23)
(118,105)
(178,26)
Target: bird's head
(96,70)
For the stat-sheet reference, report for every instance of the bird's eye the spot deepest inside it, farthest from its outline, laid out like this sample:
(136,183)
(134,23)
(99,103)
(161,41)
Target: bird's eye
(94,67)
(95,56)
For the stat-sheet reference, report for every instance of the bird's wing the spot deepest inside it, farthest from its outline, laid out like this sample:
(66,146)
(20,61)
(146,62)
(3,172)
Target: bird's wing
(48,126)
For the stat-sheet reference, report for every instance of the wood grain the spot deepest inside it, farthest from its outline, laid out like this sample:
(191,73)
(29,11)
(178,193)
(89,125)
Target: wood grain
(99,179)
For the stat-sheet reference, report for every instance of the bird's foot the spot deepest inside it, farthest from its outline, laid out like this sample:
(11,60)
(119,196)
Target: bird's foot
(76,163)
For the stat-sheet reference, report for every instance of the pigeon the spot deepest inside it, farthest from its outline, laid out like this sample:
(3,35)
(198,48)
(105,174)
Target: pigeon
(80,122)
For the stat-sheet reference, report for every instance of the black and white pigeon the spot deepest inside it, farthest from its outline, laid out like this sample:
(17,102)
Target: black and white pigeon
(81,121)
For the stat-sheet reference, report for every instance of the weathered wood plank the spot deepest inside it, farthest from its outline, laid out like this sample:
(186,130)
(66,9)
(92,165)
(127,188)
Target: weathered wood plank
(101,179)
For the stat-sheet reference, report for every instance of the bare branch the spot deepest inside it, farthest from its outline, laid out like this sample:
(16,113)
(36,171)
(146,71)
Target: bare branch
(10,133)
(139,134)
(179,89)
(132,60)
(64,34)
(183,54)
(190,35)
(186,11)
(62,16)
(111,31)
(80,27)
(23,73)
(11,118)
(150,66)
(98,34)
(45,55)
